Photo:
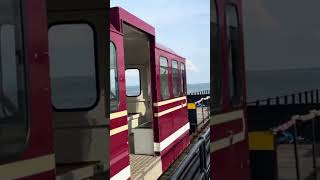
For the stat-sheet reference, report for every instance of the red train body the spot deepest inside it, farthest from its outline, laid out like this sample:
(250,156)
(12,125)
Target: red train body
(159,111)
(229,138)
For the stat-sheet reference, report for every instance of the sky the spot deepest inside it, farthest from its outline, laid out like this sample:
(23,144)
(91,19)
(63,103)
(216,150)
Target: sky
(183,26)
(281,34)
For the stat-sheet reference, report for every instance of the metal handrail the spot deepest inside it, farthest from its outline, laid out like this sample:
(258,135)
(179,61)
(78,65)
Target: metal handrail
(198,152)
(311,96)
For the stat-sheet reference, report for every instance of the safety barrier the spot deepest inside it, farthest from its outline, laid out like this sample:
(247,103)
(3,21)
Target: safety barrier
(263,155)
(306,97)
(204,104)
(295,125)
(196,165)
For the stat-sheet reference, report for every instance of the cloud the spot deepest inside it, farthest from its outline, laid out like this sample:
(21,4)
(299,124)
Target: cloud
(191,67)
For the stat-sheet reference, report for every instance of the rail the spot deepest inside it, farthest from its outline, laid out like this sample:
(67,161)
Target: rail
(306,97)
(204,102)
(196,165)
(313,117)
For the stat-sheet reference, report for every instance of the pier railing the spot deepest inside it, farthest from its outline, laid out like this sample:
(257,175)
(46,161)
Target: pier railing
(306,97)
(196,165)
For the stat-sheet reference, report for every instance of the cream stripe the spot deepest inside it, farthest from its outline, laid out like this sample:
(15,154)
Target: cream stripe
(169,110)
(158,104)
(232,139)
(227,117)
(118,114)
(226,142)
(118,130)
(122,175)
(158,147)
(27,167)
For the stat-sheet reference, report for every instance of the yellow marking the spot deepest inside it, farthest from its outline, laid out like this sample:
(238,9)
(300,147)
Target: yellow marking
(261,140)
(158,104)
(192,106)
(118,130)
(162,113)
(118,114)
(27,167)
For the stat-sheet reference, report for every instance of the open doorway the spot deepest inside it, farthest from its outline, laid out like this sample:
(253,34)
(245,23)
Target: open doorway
(137,65)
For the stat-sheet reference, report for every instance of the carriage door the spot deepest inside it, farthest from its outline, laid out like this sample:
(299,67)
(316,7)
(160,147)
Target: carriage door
(119,149)
(26,137)
(229,149)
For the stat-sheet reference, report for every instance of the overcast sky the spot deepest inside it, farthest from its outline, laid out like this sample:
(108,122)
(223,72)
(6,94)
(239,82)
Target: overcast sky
(282,34)
(182,25)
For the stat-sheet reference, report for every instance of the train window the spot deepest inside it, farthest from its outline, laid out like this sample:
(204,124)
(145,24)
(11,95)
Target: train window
(13,101)
(215,64)
(164,78)
(175,79)
(234,54)
(183,81)
(133,82)
(72,45)
(114,84)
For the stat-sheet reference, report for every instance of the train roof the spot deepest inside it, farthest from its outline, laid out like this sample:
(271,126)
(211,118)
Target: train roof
(168,50)
(119,14)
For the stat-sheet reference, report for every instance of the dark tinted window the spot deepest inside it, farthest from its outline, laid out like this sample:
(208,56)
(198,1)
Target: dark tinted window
(234,54)
(72,66)
(175,79)
(184,79)
(114,82)
(13,109)
(164,78)
(215,64)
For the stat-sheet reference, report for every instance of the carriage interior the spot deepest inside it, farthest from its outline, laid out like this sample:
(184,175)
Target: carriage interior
(77,39)
(137,65)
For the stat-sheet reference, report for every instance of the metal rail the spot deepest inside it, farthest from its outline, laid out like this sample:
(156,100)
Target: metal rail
(306,97)
(196,165)
(313,116)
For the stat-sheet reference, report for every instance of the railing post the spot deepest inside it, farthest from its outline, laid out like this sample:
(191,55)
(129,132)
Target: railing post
(285,100)
(306,97)
(268,101)
(293,98)
(314,148)
(296,155)
(277,100)
(300,98)
(312,97)
(317,95)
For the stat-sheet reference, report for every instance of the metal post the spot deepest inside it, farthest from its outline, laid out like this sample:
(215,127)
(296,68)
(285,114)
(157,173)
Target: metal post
(314,149)
(296,151)
(202,112)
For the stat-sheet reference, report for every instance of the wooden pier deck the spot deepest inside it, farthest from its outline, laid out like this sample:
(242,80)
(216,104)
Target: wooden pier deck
(144,167)
(287,164)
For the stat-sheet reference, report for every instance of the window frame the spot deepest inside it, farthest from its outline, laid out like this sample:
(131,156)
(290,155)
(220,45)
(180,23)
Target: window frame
(117,77)
(7,158)
(216,93)
(96,66)
(183,79)
(179,79)
(235,103)
(168,75)
(140,87)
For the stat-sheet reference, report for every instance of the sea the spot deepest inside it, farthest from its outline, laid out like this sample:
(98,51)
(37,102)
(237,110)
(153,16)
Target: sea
(271,83)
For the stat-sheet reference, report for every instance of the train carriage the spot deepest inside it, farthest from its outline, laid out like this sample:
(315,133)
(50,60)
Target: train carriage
(149,125)
(53,120)
(228,123)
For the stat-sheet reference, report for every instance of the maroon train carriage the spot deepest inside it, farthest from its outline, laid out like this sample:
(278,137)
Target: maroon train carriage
(229,138)
(150,126)
(53,120)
